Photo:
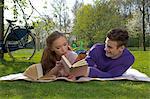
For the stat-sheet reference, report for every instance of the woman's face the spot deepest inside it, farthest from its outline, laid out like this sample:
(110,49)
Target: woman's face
(60,46)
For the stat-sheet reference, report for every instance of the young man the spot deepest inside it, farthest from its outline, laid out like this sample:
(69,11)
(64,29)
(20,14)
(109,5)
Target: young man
(111,59)
(107,60)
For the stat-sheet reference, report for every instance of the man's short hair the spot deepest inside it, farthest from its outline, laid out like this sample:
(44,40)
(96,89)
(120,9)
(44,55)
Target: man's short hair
(118,35)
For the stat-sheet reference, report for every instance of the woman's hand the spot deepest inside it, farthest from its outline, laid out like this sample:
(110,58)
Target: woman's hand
(59,65)
(55,70)
(61,69)
(72,77)
(63,73)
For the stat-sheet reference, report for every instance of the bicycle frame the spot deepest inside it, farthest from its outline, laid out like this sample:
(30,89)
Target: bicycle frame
(19,40)
(8,28)
(6,33)
(14,33)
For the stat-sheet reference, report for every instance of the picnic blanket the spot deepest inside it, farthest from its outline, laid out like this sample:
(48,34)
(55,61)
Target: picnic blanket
(34,74)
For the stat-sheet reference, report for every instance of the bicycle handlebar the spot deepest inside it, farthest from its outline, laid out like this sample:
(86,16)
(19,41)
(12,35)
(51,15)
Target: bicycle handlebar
(11,21)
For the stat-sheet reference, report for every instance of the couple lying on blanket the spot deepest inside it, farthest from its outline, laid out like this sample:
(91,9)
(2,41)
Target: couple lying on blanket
(109,69)
(108,60)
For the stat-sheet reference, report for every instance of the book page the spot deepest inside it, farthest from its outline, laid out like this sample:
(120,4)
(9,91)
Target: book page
(66,62)
(80,63)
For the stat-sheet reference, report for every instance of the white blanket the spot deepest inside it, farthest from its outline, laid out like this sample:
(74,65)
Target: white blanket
(130,74)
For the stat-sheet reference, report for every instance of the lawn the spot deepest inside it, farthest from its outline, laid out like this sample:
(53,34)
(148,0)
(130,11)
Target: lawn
(66,90)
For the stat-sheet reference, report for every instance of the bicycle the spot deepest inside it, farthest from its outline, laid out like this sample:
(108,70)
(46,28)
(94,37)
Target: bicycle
(19,42)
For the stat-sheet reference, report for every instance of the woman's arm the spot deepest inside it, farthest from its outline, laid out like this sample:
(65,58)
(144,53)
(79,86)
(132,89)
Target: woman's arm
(54,71)
(78,71)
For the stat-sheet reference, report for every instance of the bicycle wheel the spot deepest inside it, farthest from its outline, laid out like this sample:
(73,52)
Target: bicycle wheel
(22,49)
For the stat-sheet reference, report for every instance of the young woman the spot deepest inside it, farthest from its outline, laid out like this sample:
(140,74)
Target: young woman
(56,46)
(51,61)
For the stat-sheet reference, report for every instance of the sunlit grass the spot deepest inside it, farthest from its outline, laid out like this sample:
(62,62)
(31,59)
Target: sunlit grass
(67,90)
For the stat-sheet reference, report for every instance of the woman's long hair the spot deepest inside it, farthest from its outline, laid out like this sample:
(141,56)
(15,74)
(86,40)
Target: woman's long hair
(49,57)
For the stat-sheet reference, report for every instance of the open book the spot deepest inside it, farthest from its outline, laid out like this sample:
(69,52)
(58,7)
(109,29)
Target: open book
(67,63)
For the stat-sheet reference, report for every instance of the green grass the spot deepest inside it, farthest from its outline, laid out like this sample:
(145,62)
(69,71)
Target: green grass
(138,48)
(67,90)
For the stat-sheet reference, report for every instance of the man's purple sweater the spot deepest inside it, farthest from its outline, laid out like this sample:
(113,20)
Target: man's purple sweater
(105,67)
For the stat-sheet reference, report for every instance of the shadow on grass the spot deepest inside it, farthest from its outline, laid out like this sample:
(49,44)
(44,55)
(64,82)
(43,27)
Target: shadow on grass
(9,67)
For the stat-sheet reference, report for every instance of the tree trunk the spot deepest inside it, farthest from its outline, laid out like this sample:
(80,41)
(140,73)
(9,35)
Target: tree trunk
(143,19)
(1,27)
(38,43)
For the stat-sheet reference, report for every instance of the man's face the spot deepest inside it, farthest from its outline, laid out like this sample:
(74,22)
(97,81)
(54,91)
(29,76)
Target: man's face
(112,50)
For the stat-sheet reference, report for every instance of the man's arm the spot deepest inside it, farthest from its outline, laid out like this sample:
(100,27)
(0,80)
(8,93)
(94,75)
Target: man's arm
(91,57)
(116,70)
